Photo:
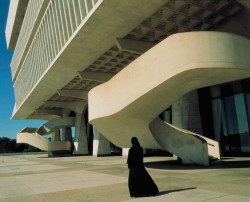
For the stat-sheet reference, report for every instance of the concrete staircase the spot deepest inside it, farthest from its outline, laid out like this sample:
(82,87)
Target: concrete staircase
(34,136)
(154,81)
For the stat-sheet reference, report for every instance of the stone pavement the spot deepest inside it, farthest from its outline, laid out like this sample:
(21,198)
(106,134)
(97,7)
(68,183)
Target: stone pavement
(86,178)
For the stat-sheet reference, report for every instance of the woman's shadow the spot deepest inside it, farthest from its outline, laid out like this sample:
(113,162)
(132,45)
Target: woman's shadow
(173,190)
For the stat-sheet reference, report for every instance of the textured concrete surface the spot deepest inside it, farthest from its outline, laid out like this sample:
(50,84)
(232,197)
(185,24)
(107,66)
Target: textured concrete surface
(87,178)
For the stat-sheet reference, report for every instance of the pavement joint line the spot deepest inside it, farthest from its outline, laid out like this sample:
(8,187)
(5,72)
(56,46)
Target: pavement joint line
(167,174)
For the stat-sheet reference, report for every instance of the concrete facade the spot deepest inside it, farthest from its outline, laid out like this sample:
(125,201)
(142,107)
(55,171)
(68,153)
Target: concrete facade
(91,61)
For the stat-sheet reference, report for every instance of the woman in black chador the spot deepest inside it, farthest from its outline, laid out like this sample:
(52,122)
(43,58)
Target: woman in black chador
(139,181)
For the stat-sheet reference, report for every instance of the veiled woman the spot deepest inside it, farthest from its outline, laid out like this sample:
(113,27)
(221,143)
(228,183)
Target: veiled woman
(140,183)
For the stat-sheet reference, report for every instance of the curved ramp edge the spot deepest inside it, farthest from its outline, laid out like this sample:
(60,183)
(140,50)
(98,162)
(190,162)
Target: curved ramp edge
(41,142)
(126,105)
(55,124)
(189,146)
(34,136)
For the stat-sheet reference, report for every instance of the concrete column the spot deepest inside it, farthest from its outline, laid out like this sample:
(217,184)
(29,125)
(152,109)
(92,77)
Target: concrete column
(125,151)
(101,146)
(56,136)
(64,130)
(63,134)
(186,113)
(80,142)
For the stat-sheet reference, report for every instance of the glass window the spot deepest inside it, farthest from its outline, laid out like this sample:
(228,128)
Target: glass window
(243,127)
(231,115)
(247,96)
(167,116)
(230,109)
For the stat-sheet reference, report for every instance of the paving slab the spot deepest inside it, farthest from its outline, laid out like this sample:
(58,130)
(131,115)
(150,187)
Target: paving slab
(86,178)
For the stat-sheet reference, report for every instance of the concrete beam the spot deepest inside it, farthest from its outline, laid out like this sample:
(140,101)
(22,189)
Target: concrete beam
(133,46)
(42,117)
(57,112)
(46,114)
(82,94)
(95,76)
(73,106)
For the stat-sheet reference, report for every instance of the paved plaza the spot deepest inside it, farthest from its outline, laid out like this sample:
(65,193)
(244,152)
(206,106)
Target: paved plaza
(86,178)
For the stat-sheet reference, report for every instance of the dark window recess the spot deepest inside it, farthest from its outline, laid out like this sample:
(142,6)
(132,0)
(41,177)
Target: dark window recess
(206,112)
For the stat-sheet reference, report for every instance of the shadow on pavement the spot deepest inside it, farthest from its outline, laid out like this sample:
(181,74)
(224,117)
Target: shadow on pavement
(220,164)
(173,190)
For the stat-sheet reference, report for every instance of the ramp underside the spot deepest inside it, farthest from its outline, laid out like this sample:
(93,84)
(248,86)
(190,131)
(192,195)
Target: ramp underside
(128,105)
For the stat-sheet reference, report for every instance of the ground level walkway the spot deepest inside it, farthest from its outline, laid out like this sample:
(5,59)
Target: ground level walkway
(85,178)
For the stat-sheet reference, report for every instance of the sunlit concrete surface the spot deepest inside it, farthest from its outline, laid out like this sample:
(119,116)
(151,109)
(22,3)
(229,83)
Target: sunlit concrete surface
(126,105)
(34,136)
(87,178)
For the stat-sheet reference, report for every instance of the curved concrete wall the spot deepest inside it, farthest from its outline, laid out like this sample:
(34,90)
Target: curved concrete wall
(29,136)
(55,124)
(126,105)
(34,136)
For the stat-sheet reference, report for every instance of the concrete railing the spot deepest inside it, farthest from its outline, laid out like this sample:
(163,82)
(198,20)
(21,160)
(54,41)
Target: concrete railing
(60,23)
(33,15)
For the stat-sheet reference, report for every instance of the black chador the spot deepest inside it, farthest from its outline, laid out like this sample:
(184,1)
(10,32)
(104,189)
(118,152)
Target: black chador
(140,183)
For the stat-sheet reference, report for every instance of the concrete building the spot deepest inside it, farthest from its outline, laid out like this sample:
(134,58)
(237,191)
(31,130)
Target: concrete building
(174,73)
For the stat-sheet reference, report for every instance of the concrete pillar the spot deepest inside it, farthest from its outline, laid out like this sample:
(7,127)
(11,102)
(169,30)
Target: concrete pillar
(63,134)
(125,151)
(101,146)
(56,136)
(186,113)
(66,133)
(80,142)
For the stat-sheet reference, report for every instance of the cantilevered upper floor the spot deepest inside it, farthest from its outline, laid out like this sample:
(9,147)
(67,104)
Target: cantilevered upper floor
(67,47)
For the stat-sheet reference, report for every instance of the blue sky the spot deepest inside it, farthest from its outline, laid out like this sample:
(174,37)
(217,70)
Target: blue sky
(8,128)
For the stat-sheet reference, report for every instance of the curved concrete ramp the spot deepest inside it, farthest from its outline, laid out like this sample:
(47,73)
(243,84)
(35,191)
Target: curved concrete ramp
(55,124)
(128,104)
(34,136)
(29,136)
(191,147)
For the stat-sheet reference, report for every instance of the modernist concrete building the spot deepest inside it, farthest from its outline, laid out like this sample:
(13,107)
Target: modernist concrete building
(174,73)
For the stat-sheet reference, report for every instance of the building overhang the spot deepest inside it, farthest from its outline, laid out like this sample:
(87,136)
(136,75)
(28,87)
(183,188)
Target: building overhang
(84,47)
(109,26)
(16,15)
